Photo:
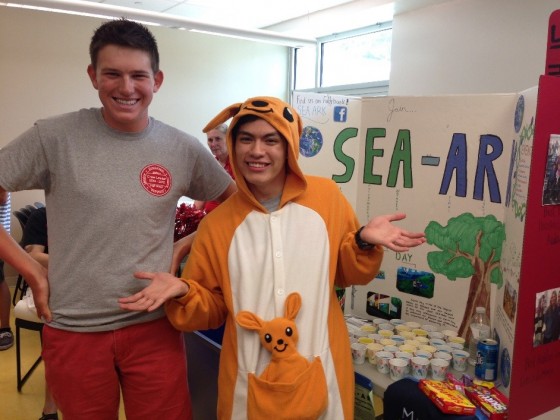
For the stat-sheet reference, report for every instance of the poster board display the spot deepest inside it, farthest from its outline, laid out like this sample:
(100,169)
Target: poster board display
(480,175)
(535,361)
(459,167)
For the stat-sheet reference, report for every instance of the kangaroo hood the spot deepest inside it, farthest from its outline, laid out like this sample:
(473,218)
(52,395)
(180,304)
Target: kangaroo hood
(285,120)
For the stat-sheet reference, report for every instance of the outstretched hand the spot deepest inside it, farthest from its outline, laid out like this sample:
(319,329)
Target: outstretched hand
(162,287)
(380,230)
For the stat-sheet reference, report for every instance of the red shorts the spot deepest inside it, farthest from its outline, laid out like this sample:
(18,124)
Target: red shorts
(86,372)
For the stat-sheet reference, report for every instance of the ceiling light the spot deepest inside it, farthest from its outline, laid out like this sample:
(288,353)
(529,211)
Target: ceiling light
(161,19)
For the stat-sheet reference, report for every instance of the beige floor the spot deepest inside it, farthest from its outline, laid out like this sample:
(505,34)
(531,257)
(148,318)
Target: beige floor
(28,403)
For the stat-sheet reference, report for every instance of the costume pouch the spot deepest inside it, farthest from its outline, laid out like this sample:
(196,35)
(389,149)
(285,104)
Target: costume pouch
(304,398)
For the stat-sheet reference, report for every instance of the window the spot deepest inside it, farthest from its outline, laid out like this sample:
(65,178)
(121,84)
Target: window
(355,63)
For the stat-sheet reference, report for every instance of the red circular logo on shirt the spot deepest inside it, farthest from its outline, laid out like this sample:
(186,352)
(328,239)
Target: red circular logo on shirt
(155,179)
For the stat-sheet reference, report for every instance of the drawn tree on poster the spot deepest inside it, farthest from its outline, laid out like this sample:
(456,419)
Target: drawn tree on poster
(469,247)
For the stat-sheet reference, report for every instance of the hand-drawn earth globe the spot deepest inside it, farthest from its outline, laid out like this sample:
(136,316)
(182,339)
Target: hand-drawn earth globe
(311,141)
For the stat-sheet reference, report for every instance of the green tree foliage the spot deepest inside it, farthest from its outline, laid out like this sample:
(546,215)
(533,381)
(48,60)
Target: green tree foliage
(469,247)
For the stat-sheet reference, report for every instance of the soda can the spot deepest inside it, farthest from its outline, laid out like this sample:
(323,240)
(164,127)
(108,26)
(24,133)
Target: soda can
(486,367)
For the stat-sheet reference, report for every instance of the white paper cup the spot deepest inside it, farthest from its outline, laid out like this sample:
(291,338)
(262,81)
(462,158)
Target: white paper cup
(456,346)
(358,333)
(446,348)
(419,367)
(437,342)
(396,321)
(414,343)
(429,327)
(412,324)
(448,334)
(436,334)
(399,339)
(443,355)
(371,350)
(402,327)
(408,335)
(366,340)
(460,358)
(397,368)
(383,358)
(427,347)
(391,349)
(439,368)
(387,342)
(407,348)
(378,321)
(405,356)
(422,340)
(420,332)
(358,353)
(457,339)
(369,328)
(387,326)
(385,333)
(423,353)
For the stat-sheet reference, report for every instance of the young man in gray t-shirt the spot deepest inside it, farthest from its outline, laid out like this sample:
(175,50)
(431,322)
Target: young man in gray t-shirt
(112,178)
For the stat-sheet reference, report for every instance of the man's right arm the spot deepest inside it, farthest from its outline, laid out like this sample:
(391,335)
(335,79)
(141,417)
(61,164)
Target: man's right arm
(33,272)
(232,187)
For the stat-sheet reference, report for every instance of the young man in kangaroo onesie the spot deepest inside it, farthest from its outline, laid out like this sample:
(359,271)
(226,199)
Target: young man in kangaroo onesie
(281,232)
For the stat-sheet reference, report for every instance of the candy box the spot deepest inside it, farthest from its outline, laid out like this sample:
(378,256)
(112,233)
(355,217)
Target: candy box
(490,401)
(446,397)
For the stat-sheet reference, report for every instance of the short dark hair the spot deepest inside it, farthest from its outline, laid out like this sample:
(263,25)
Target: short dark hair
(243,120)
(125,33)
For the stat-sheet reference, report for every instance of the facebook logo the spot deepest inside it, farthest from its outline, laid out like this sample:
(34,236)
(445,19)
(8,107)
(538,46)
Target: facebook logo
(340,113)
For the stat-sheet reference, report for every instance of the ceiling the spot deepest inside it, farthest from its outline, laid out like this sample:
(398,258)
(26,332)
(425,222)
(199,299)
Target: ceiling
(253,14)
(297,18)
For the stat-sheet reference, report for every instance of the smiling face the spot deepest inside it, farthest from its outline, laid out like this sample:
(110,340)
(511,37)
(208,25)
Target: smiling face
(126,84)
(260,156)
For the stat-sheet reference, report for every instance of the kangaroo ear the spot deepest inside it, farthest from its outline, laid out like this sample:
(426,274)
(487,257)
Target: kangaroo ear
(222,117)
(293,305)
(249,320)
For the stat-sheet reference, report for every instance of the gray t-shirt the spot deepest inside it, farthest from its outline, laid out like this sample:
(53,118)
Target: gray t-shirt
(111,198)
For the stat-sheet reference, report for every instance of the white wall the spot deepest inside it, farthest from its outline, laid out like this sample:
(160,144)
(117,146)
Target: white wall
(43,61)
(470,46)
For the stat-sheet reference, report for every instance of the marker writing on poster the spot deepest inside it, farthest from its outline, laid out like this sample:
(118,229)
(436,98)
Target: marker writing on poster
(541,367)
(399,256)
(431,313)
(395,109)
(490,148)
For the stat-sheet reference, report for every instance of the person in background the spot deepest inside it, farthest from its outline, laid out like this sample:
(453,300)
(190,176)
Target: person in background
(34,239)
(112,177)
(282,232)
(6,334)
(217,143)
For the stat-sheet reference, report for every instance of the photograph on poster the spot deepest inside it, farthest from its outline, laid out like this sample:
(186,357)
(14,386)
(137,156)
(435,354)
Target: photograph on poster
(510,301)
(547,317)
(383,306)
(551,189)
(415,282)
